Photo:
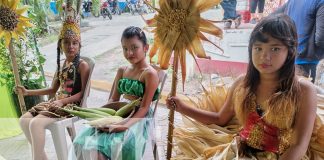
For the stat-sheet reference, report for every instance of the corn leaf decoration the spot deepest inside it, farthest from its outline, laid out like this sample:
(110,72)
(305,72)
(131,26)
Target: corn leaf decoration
(178,28)
(12,21)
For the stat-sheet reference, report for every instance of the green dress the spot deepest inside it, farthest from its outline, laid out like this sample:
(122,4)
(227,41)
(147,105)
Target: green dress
(127,145)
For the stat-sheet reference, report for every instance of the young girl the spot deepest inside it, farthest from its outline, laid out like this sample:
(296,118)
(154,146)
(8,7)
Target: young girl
(125,141)
(276,109)
(69,85)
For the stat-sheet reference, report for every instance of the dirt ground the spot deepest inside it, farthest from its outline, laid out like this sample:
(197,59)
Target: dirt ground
(108,63)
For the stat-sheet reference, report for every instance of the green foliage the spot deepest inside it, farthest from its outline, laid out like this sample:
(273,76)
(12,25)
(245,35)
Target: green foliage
(6,75)
(38,11)
(30,63)
(58,6)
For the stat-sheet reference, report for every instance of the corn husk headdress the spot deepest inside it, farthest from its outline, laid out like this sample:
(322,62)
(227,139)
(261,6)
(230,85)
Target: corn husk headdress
(71,27)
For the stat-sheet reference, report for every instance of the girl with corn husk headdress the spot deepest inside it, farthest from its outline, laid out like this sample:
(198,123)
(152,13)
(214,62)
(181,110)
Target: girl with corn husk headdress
(275,109)
(68,86)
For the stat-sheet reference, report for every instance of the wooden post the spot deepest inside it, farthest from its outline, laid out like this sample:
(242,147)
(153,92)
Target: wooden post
(171,112)
(17,78)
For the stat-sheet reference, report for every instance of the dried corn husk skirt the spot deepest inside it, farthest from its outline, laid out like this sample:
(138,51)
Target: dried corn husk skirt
(50,110)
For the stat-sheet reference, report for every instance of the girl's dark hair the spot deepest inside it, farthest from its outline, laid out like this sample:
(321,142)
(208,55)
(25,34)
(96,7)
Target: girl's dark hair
(282,28)
(76,59)
(133,31)
(58,60)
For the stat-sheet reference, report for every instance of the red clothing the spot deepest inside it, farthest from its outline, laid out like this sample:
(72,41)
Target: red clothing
(257,134)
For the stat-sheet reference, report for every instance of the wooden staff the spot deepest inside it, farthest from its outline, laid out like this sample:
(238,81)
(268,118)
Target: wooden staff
(17,78)
(171,112)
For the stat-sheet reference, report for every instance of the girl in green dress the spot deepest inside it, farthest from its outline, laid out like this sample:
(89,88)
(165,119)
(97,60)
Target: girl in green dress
(139,79)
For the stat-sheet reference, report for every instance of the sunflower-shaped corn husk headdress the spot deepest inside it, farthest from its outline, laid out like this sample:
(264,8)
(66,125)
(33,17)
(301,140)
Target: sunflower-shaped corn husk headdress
(12,26)
(178,28)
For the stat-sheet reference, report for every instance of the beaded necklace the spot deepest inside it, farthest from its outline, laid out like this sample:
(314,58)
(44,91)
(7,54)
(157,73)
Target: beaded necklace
(66,78)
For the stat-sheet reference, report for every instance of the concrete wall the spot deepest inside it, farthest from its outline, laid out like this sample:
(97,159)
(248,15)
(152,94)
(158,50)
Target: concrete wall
(234,59)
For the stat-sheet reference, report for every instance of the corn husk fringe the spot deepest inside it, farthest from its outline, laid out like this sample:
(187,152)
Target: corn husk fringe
(178,28)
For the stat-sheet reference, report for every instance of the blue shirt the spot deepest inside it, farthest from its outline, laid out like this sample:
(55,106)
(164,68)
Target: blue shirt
(303,13)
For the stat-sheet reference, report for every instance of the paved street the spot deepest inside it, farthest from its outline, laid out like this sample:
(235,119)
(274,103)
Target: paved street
(102,35)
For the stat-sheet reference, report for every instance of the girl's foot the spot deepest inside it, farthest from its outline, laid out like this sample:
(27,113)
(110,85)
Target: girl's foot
(227,24)
(237,21)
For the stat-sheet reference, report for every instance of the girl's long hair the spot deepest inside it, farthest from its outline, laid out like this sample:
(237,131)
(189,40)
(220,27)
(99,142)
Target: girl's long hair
(76,60)
(282,28)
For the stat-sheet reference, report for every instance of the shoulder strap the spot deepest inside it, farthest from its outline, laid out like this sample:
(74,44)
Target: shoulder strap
(140,77)
(124,69)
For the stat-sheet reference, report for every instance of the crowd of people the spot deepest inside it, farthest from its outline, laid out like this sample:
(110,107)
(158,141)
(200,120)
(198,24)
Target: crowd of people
(131,6)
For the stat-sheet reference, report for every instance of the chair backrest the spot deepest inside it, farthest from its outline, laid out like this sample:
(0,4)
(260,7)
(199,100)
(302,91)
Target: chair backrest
(86,93)
(162,77)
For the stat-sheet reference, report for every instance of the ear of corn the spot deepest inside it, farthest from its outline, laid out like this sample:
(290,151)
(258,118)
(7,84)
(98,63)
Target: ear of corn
(106,110)
(123,111)
(83,115)
(92,111)
(104,122)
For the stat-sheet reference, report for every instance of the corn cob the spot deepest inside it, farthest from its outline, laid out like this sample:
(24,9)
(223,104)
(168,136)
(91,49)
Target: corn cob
(92,111)
(83,115)
(104,122)
(123,111)
(106,110)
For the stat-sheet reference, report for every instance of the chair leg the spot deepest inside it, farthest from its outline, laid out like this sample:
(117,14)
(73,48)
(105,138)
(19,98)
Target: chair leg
(59,139)
(71,131)
(155,151)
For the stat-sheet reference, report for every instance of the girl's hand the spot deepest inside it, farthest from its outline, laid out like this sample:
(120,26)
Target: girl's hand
(21,89)
(114,128)
(174,103)
(58,103)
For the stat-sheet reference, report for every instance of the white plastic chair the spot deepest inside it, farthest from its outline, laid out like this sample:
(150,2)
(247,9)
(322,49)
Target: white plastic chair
(58,128)
(152,140)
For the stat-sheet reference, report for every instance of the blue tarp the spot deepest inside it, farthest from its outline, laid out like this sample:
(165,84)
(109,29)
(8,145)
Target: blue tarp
(53,7)
(122,4)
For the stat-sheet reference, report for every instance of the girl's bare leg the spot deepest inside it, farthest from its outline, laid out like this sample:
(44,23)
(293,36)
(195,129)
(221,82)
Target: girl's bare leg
(37,131)
(24,121)
(260,16)
(95,155)
(101,156)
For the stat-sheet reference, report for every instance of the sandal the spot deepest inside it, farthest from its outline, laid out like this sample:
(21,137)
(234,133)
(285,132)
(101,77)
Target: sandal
(237,21)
